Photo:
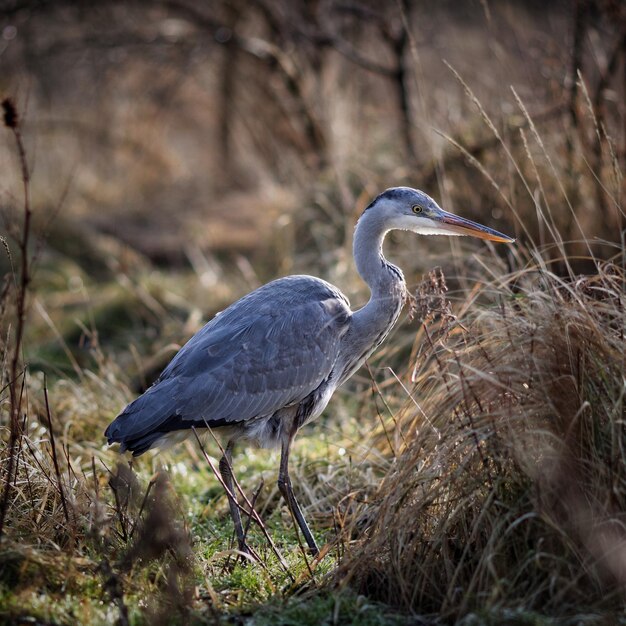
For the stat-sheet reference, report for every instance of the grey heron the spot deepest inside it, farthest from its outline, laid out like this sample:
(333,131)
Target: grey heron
(270,362)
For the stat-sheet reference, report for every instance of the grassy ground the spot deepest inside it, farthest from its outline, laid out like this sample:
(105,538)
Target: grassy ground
(156,543)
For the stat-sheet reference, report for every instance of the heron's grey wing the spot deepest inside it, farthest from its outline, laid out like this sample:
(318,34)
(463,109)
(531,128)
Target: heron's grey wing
(267,351)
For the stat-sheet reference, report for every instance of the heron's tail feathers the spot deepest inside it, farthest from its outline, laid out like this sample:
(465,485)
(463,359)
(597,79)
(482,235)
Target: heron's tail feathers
(145,421)
(157,439)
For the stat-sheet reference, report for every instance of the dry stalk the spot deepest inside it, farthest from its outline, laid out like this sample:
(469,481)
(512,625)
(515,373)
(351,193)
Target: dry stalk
(22,282)
(55,459)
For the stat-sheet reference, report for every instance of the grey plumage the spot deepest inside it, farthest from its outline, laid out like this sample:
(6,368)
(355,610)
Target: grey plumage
(271,361)
(252,359)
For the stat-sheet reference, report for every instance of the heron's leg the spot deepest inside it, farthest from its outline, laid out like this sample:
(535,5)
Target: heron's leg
(226,470)
(284,485)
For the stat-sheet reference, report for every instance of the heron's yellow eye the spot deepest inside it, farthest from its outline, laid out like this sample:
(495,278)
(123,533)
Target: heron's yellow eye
(416,208)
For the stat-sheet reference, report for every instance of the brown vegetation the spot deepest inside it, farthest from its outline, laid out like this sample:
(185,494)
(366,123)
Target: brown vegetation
(510,489)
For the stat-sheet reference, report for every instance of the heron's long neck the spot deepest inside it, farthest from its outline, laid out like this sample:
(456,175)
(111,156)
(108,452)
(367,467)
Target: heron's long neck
(372,323)
(383,278)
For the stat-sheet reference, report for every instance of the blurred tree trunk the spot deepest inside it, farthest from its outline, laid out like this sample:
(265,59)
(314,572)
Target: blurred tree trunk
(402,78)
(227,96)
(393,29)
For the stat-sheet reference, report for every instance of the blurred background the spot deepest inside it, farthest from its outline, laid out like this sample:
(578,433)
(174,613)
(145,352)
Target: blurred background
(240,139)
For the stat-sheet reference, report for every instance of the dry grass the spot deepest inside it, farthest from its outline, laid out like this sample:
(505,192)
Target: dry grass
(511,488)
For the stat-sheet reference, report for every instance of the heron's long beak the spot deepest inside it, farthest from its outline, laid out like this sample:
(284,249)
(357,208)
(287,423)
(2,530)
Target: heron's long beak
(455,224)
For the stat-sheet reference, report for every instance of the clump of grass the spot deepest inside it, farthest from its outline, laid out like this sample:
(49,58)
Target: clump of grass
(510,491)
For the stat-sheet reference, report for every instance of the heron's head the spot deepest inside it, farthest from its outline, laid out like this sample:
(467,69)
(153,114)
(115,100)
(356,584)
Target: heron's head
(404,208)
